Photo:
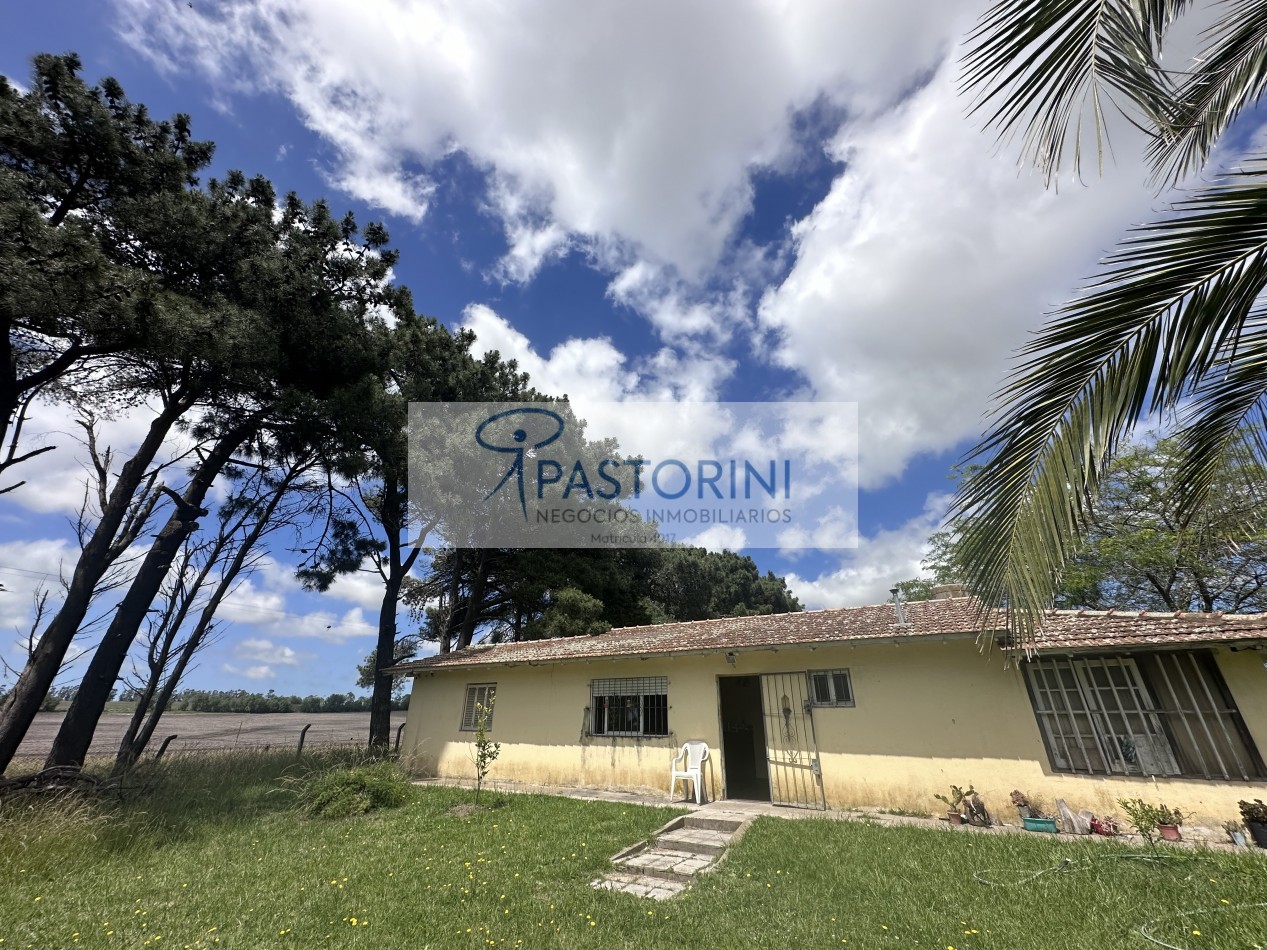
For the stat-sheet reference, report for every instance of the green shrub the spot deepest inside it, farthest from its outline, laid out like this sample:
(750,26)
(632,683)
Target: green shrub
(351,790)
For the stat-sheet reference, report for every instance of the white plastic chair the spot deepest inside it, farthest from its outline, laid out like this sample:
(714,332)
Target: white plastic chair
(694,754)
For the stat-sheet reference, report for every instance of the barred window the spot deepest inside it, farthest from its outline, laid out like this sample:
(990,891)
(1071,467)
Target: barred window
(478,694)
(637,706)
(1164,714)
(831,687)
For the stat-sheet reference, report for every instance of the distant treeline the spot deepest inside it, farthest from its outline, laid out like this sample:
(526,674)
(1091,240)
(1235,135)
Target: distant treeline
(240,701)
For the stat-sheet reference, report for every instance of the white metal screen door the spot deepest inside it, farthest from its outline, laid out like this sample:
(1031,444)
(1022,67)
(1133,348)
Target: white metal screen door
(791,749)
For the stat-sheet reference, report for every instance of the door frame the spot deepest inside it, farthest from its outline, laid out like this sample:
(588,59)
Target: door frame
(721,728)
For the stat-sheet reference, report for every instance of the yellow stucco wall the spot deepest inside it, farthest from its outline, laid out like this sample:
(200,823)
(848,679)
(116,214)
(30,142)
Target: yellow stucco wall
(926,715)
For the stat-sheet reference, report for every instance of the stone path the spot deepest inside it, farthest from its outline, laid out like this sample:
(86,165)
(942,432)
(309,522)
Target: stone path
(675,855)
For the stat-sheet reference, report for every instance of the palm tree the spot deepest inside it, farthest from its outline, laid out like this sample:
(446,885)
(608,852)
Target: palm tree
(1175,324)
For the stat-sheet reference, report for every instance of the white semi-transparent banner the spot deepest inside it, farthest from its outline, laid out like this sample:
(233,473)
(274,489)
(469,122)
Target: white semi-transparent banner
(635,474)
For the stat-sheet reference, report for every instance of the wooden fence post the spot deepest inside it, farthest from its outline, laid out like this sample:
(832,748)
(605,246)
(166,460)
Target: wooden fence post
(163,748)
(303,732)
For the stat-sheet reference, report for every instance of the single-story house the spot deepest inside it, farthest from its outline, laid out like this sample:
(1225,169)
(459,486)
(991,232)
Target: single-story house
(871,706)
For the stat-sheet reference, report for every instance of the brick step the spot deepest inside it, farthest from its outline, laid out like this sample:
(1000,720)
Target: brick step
(704,823)
(668,864)
(697,840)
(640,885)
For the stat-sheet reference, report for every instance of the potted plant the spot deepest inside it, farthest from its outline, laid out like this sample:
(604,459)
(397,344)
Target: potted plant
(1168,822)
(1235,832)
(1021,803)
(1148,819)
(975,811)
(1255,816)
(1104,826)
(1032,816)
(955,802)
(1043,823)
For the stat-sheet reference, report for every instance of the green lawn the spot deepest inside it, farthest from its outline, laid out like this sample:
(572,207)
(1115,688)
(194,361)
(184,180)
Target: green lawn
(218,858)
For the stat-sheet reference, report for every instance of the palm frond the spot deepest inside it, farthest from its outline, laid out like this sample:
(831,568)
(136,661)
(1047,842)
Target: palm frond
(1038,67)
(1162,328)
(1229,75)
(1224,418)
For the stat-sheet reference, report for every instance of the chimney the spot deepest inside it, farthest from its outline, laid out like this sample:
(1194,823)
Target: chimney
(947,591)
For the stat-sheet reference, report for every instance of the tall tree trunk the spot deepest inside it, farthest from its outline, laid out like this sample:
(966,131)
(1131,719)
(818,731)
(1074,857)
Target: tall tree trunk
(179,603)
(455,586)
(397,566)
(141,728)
(385,653)
(20,706)
(140,733)
(128,748)
(9,392)
(478,582)
(75,736)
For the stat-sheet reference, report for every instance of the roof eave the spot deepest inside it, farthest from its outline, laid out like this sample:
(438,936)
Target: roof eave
(899,639)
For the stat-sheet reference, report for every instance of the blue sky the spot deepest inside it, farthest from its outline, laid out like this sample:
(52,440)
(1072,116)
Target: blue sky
(749,201)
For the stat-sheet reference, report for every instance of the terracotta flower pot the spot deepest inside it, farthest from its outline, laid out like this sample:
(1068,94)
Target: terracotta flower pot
(954,817)
(1170,832)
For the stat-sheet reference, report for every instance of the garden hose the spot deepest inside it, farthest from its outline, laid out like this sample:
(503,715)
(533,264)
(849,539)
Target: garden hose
(1144,930)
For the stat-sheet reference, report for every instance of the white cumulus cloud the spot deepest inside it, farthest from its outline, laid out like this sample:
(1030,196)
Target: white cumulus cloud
(866,574)
(921,271)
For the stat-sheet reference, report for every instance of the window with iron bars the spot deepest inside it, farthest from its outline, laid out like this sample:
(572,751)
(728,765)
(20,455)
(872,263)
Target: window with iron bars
(1160,714)
(635,706)
(831,688)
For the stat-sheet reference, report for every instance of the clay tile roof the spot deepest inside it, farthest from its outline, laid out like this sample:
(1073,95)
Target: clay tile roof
(1061,631)
(931,618)
(1081,629)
